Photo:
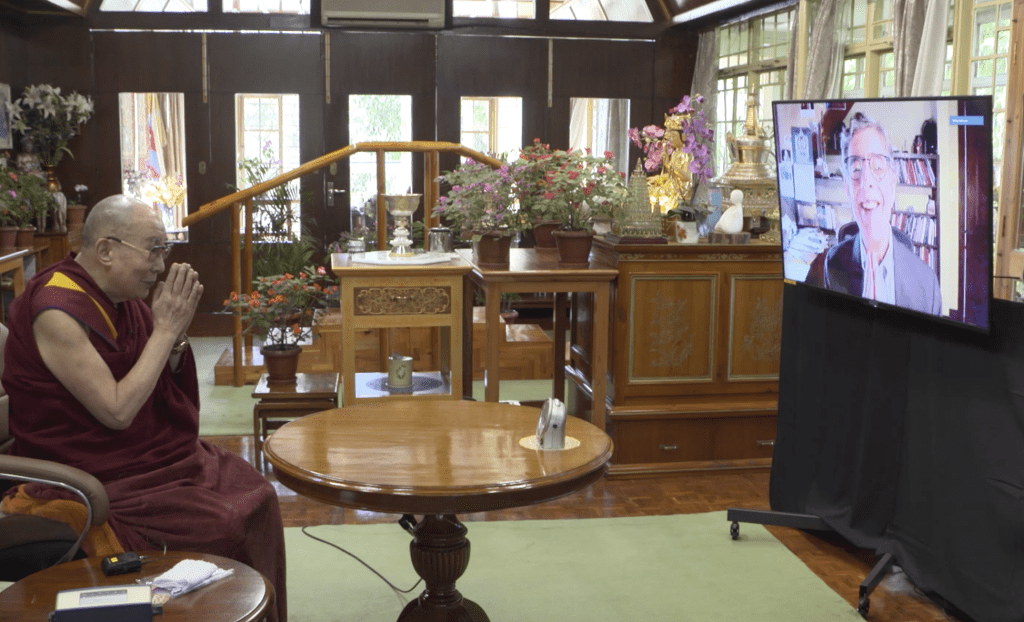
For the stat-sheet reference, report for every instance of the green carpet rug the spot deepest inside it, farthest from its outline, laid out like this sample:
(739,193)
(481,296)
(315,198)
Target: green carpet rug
(658,568)
(227,410)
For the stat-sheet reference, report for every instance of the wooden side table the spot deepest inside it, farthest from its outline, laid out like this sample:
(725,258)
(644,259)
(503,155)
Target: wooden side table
(244,596)
(279,404)
(397,296)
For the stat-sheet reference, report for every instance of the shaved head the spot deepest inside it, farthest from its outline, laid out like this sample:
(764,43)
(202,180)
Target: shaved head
(114,216)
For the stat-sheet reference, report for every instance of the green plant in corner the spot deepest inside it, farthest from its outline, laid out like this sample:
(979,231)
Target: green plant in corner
(278,249)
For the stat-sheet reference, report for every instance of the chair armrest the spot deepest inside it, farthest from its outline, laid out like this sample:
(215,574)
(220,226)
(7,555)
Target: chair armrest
(45,471)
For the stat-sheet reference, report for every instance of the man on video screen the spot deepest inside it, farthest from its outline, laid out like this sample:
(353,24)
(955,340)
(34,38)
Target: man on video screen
(872,258)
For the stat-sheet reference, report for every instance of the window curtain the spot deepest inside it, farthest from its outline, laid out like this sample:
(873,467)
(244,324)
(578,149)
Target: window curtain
(919,46)
(172,109)
(610,119)
(826,49)
(705,82)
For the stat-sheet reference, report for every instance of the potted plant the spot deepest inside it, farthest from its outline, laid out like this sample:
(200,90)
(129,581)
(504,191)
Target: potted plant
(580,189)
(50,120)
(481,204)
(24,200)
(280,310)
(529,174)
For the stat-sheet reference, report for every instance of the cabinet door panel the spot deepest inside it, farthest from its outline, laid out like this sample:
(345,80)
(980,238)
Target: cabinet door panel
(755,327)
(672,328)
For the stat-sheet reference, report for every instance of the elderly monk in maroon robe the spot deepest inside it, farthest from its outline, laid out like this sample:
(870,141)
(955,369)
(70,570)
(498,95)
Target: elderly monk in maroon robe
(101,381)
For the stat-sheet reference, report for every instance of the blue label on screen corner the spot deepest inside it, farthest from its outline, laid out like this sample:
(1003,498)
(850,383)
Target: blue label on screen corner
(963,119)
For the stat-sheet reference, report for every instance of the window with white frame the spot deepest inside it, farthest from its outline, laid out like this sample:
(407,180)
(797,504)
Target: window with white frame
(869,67)
(751,54)
(493,125)
(293,7)
(600,125)
(155,6)
(153,155)
(989,69)
(267,135)
(379,118)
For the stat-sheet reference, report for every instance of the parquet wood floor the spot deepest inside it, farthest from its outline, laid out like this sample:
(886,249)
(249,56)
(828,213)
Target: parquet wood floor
(840,565)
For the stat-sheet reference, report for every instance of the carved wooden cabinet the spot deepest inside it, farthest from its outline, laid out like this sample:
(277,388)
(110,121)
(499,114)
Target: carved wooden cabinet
(694,355)
(400,296)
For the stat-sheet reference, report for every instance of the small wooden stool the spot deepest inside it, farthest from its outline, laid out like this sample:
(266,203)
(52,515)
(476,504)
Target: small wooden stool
(280,403)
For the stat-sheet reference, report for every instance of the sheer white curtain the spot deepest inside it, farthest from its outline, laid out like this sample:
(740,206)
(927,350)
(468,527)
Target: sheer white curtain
(826,48)
(705,82)
(919,45)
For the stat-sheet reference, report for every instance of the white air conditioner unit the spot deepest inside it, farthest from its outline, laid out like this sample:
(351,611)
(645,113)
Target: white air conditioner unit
(382,13)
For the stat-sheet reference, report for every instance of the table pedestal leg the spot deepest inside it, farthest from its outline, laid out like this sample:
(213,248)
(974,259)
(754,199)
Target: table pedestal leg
(440,554)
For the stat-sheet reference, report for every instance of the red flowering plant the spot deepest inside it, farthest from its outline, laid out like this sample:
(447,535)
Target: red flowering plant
(280,308)
(577,187)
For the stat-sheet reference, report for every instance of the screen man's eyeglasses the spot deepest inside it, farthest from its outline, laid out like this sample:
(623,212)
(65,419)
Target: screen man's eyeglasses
(878,163)
(157,252)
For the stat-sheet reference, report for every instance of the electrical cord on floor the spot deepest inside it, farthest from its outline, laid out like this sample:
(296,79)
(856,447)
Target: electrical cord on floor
(353,556)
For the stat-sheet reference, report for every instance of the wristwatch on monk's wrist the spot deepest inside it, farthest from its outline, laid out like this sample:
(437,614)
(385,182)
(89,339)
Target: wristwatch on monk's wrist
(180,346)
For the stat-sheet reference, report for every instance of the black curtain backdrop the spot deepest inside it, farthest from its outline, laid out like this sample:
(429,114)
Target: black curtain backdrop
(906,435)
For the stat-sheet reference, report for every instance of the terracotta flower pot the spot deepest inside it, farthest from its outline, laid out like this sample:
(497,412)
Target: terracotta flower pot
(8,237)
(542,230)
(282,362)
(76,215)
(25,237)
(573,248)
(491,251)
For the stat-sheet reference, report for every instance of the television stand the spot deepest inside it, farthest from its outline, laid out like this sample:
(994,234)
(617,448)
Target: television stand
(810,522)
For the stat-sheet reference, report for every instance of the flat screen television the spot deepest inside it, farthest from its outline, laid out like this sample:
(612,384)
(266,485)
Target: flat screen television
(890,201)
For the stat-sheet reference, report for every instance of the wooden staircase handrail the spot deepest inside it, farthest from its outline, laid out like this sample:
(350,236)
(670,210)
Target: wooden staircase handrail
(215,207)
(245,198)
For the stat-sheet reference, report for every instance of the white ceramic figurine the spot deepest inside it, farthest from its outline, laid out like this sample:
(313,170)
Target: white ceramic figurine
(732,220)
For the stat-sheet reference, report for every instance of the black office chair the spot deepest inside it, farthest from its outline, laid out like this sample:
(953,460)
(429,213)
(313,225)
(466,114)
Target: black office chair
(29,544)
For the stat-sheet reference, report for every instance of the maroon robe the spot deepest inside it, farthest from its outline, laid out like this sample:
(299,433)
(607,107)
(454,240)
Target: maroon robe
(166,485)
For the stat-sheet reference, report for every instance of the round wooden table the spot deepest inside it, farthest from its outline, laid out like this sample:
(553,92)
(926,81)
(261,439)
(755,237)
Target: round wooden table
(435,458)
(244,596)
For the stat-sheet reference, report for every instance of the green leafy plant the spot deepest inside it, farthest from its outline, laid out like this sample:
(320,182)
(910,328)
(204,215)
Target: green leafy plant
(280,308)
(278,248)
(50,120)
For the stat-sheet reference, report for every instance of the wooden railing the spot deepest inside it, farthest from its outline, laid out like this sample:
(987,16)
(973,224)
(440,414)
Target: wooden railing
(241,256)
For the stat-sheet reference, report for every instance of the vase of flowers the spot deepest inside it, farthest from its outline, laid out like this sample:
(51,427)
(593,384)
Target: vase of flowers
(680,153)
(280,310)
(50,120)
(482,204)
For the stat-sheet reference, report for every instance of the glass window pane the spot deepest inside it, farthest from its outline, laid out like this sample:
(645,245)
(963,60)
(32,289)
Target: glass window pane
(293,7)
(264,153)
(379,118)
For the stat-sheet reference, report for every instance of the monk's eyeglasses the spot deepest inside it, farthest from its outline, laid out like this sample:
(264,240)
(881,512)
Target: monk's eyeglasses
(157,252)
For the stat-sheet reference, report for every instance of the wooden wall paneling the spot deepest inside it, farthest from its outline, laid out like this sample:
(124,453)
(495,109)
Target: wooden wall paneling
(59,52)
(392,63)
